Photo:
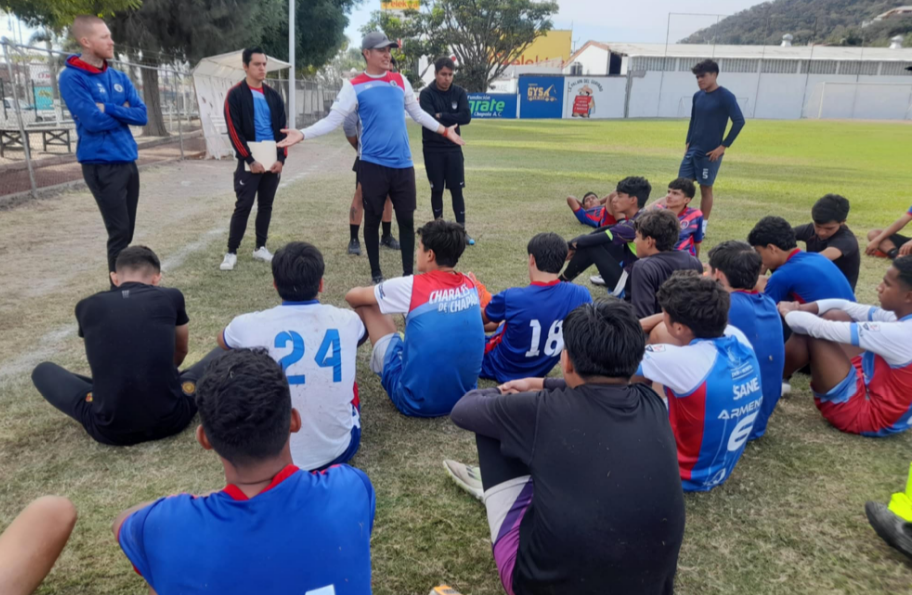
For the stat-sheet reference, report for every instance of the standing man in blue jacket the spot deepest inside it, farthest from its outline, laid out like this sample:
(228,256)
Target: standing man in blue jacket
(104,105)
(713,107)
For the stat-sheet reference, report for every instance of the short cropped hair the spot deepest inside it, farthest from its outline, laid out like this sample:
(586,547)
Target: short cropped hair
(245,406)
(445,238)
(444,62)
(697,302)
(588,194)
(137,258)
(739,261)
(297,268)
(550,252)
(660,225)
(249,52)
(604,338)
(830,208)
(82,24)
(684,185)
(636,186)
(903,265)
(773,230)
(705,66)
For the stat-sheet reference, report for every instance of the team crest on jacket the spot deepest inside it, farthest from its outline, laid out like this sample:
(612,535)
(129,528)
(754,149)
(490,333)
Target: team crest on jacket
(394,83)
(118,87)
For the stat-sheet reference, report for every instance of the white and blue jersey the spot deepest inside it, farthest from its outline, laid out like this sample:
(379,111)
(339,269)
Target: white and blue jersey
(529,342)
(714,397)
(306,533)
(262,115)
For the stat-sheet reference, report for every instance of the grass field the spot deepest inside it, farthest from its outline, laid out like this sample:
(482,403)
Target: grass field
(790,519)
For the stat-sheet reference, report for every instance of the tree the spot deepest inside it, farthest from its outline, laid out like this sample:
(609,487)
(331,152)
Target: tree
(485,36)
(165,32)
(57,15)
(415,29)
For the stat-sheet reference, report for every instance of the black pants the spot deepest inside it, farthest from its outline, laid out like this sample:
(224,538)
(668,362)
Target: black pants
(446,170)
(495,467)
(378,182)
(115,187)
(68,392)
(247,187)
(607,258)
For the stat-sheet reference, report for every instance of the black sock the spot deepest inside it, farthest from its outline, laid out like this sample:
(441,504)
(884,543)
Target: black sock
(353,231)
(387,228)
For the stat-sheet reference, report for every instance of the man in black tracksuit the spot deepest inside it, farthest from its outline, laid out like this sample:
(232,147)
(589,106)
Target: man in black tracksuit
(254,112)
(443,160)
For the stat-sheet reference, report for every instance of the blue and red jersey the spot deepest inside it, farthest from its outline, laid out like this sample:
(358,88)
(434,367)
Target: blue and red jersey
(756,315)
(304,533)
(691,221)
(808,277)
(595,217)
(529,342)
(714,398)
(444,339)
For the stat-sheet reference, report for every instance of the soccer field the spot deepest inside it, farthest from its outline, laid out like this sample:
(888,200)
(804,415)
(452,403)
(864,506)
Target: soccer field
(790,519)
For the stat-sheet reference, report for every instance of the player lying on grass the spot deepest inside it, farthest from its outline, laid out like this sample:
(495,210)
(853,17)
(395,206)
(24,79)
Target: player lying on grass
(680,193)
(439,358)
(578,474)
(593,211)
(136,335)
(317,346)
(797,276)
(529,341)
(610,248)
(711,378)
(656,235)
(31,544)
(860,356)
(736,266)
(888,242)
(274,528)
(830,236)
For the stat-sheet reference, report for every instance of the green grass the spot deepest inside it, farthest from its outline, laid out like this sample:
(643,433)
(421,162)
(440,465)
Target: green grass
(790,519)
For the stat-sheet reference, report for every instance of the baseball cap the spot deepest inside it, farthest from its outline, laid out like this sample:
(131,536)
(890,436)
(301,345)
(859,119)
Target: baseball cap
(375,40)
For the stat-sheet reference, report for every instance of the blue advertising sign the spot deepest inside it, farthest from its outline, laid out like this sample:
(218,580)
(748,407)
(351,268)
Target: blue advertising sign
(493,105)
(44,98)
(541,97)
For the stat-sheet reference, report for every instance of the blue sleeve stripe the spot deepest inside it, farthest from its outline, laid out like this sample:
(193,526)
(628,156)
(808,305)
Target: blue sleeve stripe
(871,312)
(225,340)
(854,330)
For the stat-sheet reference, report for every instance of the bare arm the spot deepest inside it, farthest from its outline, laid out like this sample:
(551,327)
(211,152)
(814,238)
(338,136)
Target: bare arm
(32,543)
(832,253)
(361,296)
(650,322)
(894,227)
(353,141)
(181,343)
(573,203)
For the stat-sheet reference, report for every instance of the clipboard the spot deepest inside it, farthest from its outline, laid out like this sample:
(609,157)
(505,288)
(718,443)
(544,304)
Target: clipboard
(264,152)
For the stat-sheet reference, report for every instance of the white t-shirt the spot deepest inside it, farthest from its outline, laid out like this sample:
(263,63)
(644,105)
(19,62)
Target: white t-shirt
(317,346)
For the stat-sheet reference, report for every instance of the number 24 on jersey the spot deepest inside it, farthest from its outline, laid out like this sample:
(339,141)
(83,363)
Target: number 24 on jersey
(329,355)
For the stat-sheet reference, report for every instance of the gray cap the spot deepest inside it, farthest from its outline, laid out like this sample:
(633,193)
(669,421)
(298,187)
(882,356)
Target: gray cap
(375,40)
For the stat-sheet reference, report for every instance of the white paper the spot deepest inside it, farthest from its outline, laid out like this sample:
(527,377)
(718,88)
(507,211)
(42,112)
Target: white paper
(264,152)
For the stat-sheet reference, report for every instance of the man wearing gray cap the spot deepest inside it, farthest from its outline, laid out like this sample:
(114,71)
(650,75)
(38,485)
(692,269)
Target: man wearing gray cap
(379,96)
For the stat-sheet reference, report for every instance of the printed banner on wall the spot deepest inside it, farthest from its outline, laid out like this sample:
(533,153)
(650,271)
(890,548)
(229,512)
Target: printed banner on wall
(493,105)
(594,98)
(541,96)
(400,5)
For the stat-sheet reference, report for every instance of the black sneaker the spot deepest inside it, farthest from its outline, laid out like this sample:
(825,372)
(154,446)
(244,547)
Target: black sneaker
(377,280)
(354,247)
(890,527)
(390,242)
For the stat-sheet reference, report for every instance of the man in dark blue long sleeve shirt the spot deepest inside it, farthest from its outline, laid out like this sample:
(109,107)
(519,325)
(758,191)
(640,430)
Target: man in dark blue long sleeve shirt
(443,161)
(713,107)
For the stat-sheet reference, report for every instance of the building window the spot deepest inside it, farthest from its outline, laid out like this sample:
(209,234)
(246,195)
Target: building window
(895,69)
(819,67)
(858,68)
(659,63)
(779,66)
(738,65)
(687,64)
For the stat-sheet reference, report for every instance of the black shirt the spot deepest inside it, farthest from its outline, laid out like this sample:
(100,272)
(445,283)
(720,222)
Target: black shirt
(129,339)
(843,240)
(607,511)
(453,107)
(648,274)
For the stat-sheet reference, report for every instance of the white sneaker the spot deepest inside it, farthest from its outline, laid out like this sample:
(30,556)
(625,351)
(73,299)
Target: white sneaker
(597,280)
(262,253)
(786,388)
(466,477)
(229,262)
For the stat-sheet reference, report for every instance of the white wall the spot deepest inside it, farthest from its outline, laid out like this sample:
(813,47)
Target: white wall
(594,61)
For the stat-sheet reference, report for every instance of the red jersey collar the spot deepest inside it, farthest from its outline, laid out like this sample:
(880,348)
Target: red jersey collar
(540,284)
(792,253)
(748,292)
(237,494)
(78,62)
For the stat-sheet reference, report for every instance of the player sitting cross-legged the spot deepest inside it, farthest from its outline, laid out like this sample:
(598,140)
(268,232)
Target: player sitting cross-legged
(860,356)
(593,211)
(317,345)
(529,341)
(274,529)
(439,358)
(711,378)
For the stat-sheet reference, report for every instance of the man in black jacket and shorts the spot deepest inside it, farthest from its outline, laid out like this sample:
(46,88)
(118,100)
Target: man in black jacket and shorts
(443,160)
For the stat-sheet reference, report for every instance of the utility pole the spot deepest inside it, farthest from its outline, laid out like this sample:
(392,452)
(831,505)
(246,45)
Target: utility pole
(292,103)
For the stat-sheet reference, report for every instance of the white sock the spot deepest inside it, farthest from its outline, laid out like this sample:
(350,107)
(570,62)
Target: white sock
(705,224)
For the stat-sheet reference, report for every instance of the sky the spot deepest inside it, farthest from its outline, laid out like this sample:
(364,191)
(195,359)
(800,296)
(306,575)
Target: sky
(643,21)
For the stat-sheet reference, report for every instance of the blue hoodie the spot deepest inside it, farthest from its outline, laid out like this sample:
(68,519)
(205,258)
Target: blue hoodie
(104,137)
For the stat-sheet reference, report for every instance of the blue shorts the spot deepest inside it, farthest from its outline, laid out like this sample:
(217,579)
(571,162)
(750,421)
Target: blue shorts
(352,449)
(697,166)
(386,362)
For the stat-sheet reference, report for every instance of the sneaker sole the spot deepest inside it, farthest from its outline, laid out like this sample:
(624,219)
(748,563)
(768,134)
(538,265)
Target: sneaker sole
(460,483)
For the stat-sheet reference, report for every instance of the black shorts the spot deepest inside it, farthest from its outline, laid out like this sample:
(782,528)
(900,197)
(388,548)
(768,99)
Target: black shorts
(357,169)
(898,239)
(378,182)
(445,169)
